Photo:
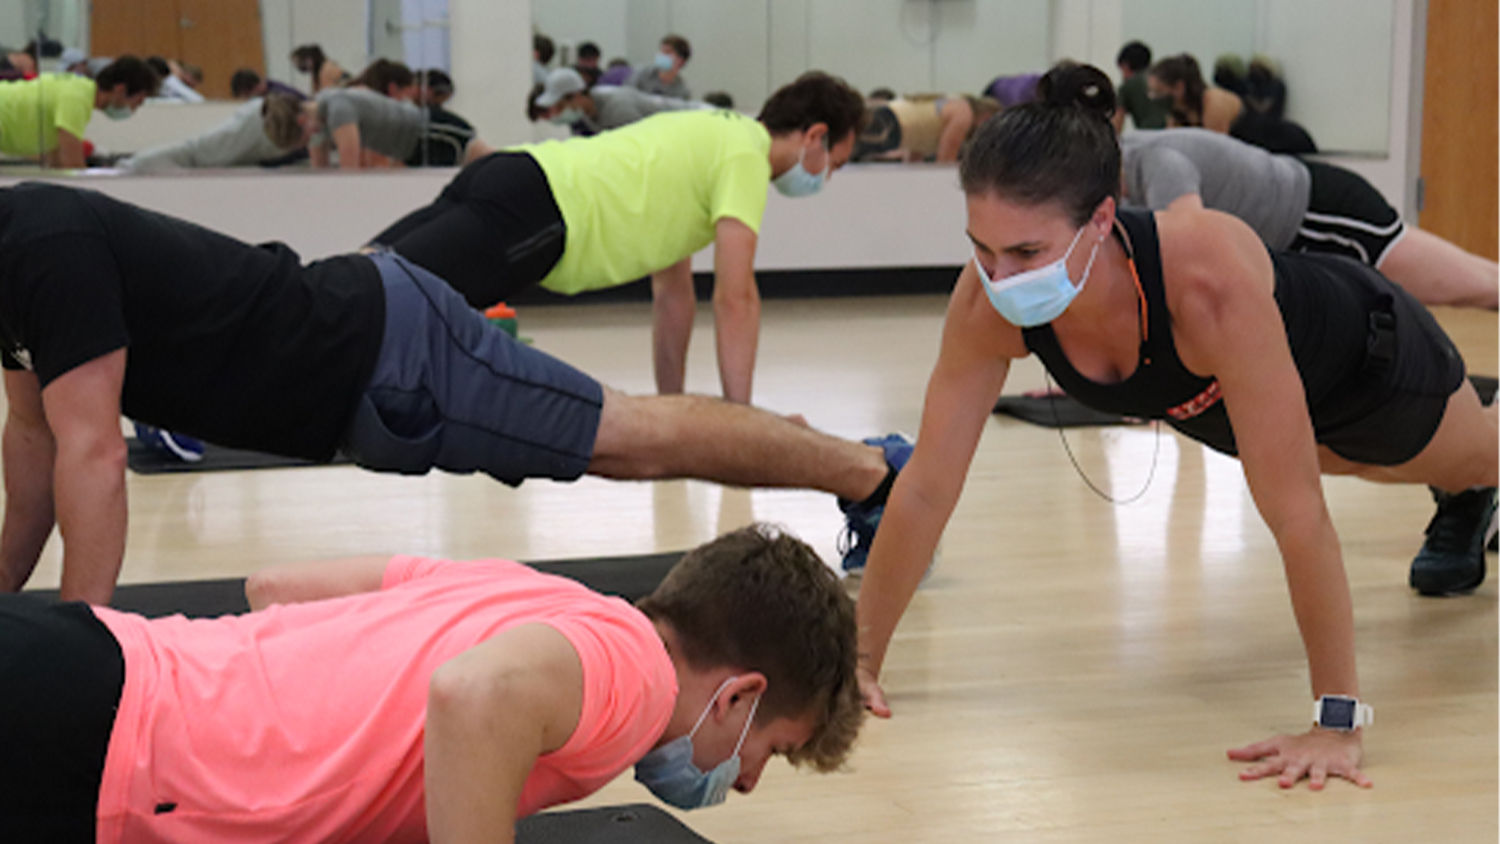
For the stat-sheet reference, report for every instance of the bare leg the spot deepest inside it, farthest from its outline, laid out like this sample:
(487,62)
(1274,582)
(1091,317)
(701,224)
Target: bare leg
(1437,272)
(686,436)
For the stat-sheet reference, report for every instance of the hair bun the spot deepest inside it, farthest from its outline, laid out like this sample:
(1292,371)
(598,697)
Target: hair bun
(1069,83)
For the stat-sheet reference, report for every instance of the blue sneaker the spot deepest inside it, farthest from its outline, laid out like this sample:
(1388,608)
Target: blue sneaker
(860,523)
(180,446)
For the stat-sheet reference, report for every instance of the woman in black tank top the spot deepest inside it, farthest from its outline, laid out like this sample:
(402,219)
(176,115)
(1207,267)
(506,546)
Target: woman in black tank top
(1297,364)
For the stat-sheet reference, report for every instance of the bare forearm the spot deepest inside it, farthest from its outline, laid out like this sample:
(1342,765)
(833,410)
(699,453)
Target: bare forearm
(28,504)
(907,539)
(91,514)
(1320,599)
(673,308)
(737,335)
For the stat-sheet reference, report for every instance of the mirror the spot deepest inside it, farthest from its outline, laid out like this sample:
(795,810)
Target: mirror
(1336,55)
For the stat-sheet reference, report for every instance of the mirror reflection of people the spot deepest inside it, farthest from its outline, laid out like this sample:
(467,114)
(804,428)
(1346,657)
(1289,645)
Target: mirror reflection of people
(542,51)
(364,128)
(245,139)
(411,699)
(247,84)
(367,354)
(567,100)
(177,81)
(324,72)
(1134,94)
(44,119)
(588,56)
(922,127)
(1177,83)
(1296,363)
(591,213)
(663,76)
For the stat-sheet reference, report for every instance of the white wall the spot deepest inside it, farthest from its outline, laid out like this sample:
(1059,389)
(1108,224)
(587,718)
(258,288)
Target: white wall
(573,22)
(868,216)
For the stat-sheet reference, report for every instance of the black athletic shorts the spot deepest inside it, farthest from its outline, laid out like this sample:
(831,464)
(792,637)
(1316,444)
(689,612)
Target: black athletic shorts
(1377,368)
(494,230)
(61,672)
(1347,216)
(444,138)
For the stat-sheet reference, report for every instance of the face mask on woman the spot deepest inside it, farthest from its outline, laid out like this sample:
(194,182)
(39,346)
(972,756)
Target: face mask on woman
(1037,296)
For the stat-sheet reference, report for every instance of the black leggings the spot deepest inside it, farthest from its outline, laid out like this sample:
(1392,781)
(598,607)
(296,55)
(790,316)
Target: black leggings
(61,672)
(494,230)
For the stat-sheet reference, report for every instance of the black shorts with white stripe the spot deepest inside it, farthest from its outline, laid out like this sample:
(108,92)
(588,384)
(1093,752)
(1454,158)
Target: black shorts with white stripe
(1347,216)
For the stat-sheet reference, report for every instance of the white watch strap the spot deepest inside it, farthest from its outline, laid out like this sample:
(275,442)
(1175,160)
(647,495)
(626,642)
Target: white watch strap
(1364,714)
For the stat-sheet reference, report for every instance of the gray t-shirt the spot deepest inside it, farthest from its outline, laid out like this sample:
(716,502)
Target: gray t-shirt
(389,127)
(649,79)
(619,106)
(1269,192)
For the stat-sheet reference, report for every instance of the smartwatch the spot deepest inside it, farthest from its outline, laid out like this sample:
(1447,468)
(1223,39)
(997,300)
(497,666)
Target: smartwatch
(1337,712)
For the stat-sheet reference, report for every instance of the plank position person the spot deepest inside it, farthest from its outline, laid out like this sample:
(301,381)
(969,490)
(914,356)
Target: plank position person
(590,213)
(106,307)
(1292,362)
(1303,206)
(406,699)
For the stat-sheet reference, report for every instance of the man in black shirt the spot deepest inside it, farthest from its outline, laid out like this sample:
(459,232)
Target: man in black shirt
(108,308)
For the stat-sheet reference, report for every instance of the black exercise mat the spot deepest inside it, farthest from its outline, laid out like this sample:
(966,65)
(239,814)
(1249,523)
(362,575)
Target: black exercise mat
(1059,411)
(149,461)
(1062,411)
(628,577)
(636,823)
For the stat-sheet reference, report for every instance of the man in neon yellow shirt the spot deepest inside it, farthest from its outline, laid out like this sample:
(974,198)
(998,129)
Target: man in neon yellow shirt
(590,213)
(44,118)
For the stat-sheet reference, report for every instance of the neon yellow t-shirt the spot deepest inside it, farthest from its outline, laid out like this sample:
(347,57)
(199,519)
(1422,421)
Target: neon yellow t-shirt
(32,110)
(643,197)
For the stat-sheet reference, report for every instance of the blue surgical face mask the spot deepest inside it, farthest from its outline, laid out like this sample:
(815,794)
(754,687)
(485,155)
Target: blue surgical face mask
(663,61)
(117,112)
(567,117)
(1037,296)
(798,181)
(669,772)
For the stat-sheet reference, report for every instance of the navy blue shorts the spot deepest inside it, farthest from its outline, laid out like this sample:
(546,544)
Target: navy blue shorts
(451,391)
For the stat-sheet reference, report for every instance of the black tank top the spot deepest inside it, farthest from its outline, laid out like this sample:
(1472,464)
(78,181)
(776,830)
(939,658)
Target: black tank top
(1356,338)
(1161,387)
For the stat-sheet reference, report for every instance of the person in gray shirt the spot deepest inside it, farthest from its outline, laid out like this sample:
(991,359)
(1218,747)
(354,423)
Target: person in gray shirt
(1300,205)
(357,122)
(568,101)
(663,76)
(239,141)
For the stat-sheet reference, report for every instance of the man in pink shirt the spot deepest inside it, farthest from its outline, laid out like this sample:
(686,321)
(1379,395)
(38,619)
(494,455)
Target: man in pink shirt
(407,699)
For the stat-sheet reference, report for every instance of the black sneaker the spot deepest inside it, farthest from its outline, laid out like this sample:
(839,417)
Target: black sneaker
(1452,558)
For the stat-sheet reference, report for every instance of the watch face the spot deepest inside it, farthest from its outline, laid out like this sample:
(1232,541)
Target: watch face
(1338,713)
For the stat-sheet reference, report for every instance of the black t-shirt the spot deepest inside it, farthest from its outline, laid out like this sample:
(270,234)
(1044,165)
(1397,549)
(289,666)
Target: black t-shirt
(237,344)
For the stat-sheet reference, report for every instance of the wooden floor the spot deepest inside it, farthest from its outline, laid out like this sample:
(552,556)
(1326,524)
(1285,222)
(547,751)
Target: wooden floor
(1071,672)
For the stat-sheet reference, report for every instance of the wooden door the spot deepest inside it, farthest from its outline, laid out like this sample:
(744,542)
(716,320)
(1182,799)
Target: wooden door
(1459,133)
(220,36)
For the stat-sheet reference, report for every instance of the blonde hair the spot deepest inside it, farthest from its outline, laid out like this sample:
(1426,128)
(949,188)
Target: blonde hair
(279,115)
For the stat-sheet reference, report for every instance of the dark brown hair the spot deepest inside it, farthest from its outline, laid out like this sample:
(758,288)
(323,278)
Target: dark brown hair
(1060,148)
(761,600)
(382,74)
(816,97)
(1184,68)
(680,46)
(132,72)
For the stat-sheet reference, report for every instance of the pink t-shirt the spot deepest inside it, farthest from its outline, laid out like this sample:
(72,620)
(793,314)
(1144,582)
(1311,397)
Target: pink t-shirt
(303,723)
